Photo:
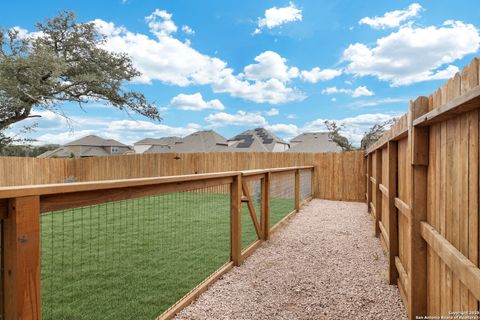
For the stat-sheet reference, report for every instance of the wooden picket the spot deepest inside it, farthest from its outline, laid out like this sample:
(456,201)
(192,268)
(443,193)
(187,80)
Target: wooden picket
(339,174)
(430,189)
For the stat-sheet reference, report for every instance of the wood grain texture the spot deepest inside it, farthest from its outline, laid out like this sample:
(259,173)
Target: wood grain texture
(236,220)
(447,126)
(392,211)
(417,293)
(21,256)
(251,209)
(377,193)
(339,175)
(461,266)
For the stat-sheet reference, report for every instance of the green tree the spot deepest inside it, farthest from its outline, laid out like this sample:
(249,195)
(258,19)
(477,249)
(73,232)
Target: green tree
(375,133)
(62,62)
(369,137)
(25,150)
(334,134)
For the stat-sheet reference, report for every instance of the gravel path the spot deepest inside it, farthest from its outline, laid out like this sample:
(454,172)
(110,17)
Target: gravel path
(324,264)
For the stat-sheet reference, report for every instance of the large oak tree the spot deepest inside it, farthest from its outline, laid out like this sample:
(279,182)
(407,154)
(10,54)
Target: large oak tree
(63,61)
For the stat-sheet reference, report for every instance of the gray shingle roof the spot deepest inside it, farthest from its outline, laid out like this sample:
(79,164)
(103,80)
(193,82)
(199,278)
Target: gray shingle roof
(256,140)
(60,152)
(164,141)
(201,141)
(95,141)
(313,142)
(159,149)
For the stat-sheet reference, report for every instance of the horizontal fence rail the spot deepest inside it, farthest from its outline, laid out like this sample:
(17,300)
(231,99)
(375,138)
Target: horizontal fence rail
(341,172)
(136,248)
(422,187)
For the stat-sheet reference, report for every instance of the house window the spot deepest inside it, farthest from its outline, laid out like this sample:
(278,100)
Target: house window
(114,149)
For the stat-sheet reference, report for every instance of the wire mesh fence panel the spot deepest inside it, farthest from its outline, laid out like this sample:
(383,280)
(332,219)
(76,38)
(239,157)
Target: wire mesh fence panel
(305,184)
(249,234)
(282,195)
(132,259)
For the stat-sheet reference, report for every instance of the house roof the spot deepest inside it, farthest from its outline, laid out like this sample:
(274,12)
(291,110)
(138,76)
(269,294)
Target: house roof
(85,151)
(159,149)
(59,152)
(164,141)
(313,142)
(95,141)
(94,152)
(201,141)
(257,140)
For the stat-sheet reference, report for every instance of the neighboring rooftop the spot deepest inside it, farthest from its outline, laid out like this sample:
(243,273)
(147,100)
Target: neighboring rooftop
(313,142)
(164,141)
(156,145)
(257,140)
(95,141)
(201,141)
(88,146)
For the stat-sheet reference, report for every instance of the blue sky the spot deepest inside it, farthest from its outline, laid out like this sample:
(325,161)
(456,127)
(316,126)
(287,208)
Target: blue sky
(283,65)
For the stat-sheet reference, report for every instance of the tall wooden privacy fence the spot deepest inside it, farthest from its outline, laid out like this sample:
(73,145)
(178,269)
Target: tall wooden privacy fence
(339,175)
(136,248)
(422,190)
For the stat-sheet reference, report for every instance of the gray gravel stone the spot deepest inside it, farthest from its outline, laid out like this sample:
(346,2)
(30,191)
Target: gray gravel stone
(325,263)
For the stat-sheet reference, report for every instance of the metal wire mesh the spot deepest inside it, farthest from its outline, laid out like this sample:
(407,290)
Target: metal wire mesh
(282,195)
(249,234)
(132,259)
(305,184)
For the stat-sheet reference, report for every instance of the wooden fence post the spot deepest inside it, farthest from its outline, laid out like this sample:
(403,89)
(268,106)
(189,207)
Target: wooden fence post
(266,206)
(417,276)
(236,220)
(377,192)
(392,212)
(369,183)
(21,256)
(297,190)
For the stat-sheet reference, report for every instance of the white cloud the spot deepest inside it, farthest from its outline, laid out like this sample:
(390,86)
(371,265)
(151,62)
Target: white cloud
(275,17)
(21,32)
(272,91)
(54,128)
(160,23)
(412,54)
(316,74)
(187,30)
(354,127)
(357,92)
(195,102)
(393,18)
(146,126)
(373,103)
(285,130)
(270,65)
(272,112)
(125,131)
(241,118)
(174,62)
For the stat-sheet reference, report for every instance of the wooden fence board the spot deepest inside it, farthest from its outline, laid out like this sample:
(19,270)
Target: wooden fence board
(340,175)
(452,203)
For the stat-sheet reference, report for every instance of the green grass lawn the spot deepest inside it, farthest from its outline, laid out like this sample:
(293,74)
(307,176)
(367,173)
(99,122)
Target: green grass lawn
(133,259)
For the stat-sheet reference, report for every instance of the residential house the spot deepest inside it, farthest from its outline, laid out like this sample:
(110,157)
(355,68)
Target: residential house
(313,142)
(201,141)
(257,140)
(152,145)
(89,146)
